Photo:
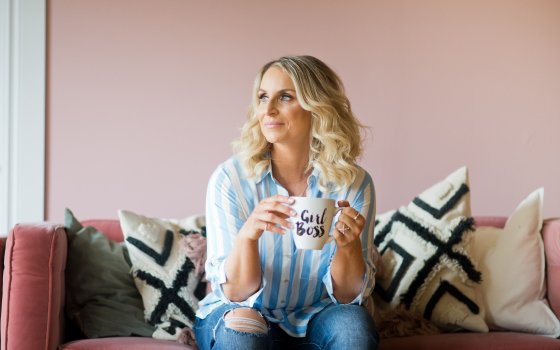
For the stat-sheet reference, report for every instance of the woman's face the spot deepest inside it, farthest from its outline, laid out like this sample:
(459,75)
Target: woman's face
(281,117)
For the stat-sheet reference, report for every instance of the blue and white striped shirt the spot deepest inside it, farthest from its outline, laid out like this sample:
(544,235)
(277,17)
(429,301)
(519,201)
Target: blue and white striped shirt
(296,284)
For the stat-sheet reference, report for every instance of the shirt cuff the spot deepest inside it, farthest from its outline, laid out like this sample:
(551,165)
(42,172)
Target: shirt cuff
(220,277)
(327,281)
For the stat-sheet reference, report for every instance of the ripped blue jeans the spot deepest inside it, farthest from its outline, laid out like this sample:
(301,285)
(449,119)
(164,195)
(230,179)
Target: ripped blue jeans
(335,327)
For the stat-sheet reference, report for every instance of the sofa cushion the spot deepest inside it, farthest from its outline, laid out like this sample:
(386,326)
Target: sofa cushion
(470,341)
(426,249)
(164,275)
(100,292)
(512,262)
(124,343)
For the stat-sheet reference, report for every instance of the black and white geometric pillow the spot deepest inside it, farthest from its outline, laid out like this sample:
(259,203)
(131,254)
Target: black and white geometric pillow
(164,276)
(428,267)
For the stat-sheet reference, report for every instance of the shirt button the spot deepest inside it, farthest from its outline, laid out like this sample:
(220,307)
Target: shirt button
(286,281)
(282,301)
(288,256)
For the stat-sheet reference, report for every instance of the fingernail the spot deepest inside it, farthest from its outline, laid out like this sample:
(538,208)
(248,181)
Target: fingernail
(292,200)
(293,212)
(284,231)
(290,225)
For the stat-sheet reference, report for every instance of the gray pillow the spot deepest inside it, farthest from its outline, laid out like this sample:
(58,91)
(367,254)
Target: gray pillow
(101,296)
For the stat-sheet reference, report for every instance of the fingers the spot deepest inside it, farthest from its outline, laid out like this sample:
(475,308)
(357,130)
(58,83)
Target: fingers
(346,229)
(269,213)
(267,226)
(350,221)
(277,207)
(354,215)
(351,224)
(338,235)
(343,203)
(276,214)
(277,204)
(273,219)
(343,235)
(280,198)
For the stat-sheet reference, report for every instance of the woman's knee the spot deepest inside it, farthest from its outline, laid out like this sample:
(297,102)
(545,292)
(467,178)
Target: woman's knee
(356,317)
(245,320)
(351,325)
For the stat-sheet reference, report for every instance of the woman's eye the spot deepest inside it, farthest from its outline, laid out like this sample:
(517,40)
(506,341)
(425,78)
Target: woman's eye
(263,98)
(286,97)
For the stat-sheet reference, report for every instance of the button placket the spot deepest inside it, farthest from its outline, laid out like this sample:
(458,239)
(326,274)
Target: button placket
(286,261)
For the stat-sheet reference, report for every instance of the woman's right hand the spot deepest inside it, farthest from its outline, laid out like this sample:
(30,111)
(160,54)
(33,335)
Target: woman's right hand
(267,214)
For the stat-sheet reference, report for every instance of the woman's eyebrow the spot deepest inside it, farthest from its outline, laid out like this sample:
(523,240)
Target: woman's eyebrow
(283,90)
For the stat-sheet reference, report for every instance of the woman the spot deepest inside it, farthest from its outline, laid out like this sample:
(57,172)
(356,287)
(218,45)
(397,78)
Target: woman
(301,139)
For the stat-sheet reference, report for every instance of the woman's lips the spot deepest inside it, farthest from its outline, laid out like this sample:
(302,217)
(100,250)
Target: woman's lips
(272,125)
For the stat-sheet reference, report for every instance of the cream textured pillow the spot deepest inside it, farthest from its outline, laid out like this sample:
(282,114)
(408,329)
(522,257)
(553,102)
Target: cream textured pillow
(164,276)
(513,271)
(425,249)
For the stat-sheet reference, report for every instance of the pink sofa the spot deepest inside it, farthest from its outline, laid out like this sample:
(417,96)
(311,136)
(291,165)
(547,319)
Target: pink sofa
(33,297)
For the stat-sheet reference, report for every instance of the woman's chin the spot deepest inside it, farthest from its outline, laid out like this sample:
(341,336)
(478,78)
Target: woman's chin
(272,141)
(274,138)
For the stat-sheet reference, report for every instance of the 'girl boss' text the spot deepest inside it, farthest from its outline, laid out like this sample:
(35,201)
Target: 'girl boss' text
(315,231)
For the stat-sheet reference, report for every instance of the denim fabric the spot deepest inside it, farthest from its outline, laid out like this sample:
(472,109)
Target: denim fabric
(336,327)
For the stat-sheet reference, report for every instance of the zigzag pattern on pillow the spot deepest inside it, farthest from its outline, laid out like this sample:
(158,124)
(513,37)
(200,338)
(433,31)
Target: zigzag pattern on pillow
(168,295)
(425,248)
(164,276)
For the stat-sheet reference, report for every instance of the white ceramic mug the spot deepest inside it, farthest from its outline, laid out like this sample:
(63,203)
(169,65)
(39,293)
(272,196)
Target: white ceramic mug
(313,221)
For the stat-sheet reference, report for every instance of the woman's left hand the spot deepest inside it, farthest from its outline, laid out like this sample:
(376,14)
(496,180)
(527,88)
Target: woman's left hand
(349,226)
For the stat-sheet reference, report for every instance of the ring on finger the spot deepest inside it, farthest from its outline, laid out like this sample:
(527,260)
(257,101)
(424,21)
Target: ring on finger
(344,228)
(266,227)
(357,215)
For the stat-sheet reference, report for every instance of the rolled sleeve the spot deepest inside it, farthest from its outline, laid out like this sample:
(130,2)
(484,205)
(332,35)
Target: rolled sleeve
(224,220)
(365,204)
(219,277)
(369,280)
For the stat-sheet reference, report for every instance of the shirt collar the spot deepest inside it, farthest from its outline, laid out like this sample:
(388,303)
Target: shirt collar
(312,178)
(266,172)
(314,175)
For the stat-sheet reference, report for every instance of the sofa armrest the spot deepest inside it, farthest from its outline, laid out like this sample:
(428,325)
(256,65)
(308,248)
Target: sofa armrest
(551,236)
(2,250)
(33,287)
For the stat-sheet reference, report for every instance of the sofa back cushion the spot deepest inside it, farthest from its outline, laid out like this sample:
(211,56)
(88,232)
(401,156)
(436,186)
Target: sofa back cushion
(111,228)
(494,221)
(551,235)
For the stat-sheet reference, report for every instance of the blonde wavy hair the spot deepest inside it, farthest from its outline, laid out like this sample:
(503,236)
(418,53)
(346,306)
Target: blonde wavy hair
(336,134)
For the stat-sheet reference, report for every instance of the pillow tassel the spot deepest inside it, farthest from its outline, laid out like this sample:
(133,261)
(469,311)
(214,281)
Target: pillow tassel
(187,338)
(194,247)
(401,322)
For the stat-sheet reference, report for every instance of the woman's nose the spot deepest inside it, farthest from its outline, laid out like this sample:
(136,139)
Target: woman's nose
(271,108)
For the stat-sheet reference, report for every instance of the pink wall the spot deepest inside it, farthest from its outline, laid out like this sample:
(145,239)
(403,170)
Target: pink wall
(145,97)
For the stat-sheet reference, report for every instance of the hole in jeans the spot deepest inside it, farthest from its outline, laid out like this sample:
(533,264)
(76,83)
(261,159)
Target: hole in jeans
(246,320)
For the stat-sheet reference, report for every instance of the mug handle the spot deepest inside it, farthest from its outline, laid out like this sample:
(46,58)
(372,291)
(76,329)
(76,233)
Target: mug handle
(336,210)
